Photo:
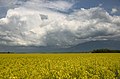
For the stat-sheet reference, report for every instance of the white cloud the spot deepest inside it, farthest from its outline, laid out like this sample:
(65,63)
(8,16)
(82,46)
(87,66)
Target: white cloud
(60,5)
(53,5)
(114,10)
(25,26)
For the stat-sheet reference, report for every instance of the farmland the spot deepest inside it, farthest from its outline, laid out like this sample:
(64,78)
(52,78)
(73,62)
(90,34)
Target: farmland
(60,66)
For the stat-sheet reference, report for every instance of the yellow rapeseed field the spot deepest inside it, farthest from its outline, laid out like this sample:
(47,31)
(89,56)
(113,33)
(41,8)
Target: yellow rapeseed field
(60,66)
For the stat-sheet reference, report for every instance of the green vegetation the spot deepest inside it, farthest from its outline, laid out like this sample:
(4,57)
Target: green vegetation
(60,66)
(6,52)
(105,51)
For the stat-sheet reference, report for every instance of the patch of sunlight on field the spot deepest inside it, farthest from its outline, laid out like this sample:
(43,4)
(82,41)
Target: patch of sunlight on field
(60,66)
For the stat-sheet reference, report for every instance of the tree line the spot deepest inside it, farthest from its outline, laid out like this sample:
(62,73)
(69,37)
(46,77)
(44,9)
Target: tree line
(6,52)
(105,51)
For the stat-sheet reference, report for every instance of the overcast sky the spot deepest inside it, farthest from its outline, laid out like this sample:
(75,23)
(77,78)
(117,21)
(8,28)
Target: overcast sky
(58,22)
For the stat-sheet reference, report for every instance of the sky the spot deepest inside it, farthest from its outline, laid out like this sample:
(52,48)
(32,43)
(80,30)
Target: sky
(59,23)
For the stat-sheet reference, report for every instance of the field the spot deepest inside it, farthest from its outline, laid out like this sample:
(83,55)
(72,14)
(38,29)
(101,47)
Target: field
(60,66)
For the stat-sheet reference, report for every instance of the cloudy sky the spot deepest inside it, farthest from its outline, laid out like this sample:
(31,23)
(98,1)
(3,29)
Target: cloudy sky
(58,22)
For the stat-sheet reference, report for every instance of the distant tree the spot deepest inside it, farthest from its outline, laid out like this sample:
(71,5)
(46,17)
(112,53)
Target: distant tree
(105,51)
(8,52)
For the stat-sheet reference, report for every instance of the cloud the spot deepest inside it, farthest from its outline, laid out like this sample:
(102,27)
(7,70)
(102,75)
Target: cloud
(38,25)
(7,2)
(114,10)
(59,5)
